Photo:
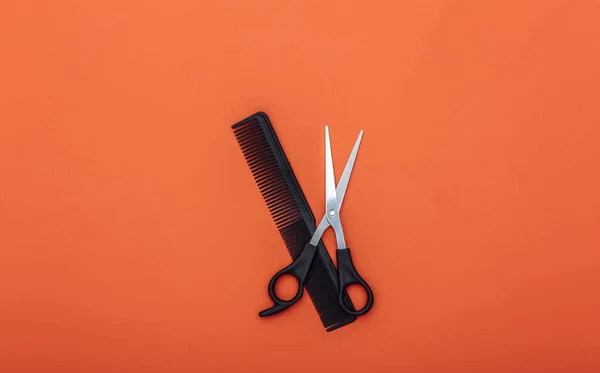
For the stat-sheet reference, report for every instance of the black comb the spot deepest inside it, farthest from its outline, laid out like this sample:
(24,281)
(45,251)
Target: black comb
(292,214)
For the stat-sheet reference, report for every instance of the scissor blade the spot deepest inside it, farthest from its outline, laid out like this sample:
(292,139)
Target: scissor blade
(324,224)
(330,195)
(343,184)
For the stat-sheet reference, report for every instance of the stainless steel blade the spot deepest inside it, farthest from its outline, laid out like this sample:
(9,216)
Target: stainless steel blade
(330,195)
(343,184)
(331,216)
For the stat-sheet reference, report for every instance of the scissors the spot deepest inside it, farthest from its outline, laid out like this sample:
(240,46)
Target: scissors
(347,275)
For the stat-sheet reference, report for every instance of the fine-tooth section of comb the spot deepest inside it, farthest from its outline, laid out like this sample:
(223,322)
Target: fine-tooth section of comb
(292,215)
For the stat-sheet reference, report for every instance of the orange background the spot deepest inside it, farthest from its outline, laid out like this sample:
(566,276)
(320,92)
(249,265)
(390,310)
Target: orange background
(134,239)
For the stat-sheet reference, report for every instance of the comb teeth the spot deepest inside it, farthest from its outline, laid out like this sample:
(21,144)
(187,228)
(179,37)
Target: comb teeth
(267,174)
(284,199)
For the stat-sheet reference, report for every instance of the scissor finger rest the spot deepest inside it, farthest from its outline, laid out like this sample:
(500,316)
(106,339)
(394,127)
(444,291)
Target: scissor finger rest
(299,269)
(348,276)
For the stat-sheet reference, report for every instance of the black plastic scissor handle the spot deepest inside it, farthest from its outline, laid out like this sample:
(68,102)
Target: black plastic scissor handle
(348,276)
(299,269)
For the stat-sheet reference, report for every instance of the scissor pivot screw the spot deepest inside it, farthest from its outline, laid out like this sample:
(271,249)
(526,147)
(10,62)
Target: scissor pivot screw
(332,212)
